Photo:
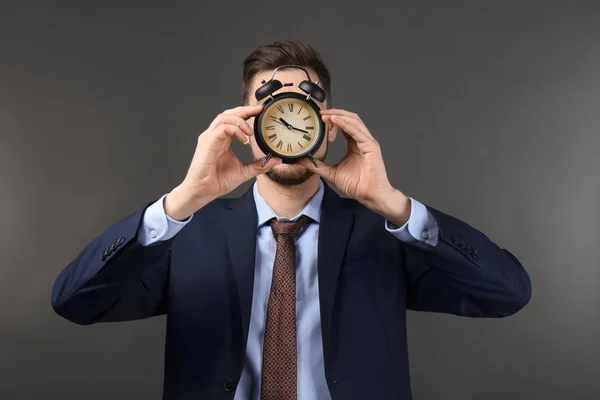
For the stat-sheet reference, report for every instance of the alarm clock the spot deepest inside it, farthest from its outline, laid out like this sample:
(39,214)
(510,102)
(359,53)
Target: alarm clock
(290,125)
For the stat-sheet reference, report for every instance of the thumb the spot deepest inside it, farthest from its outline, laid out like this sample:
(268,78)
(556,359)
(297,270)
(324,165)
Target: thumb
(252,169)
(325,170)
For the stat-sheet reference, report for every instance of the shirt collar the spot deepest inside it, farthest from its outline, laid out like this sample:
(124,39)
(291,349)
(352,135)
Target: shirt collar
(311,210)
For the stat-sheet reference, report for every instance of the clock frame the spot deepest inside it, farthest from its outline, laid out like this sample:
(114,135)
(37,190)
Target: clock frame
(287,138)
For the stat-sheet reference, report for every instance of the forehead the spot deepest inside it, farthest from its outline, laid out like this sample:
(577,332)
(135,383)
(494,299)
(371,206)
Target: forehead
(288,75)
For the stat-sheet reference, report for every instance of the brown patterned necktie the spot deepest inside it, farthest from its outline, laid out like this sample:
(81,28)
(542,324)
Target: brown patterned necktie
(279,353)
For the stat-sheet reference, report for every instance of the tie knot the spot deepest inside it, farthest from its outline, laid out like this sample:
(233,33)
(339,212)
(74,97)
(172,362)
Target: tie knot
(288,228)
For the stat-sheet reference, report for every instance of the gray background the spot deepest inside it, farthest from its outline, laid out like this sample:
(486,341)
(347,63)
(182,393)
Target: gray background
(488,110)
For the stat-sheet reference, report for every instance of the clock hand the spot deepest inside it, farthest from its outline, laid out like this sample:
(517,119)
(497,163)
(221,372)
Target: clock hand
(289,126)
(301,130)
(280,123)
(286,124)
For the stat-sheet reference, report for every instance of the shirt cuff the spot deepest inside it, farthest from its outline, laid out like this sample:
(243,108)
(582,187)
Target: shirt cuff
(420,229)
(157,226)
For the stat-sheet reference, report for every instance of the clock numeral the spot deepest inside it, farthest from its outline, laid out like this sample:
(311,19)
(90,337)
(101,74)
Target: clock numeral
(299,144)
(273,118)
(280,109)
(289,147)
(271,127)
(273,137)
(309,128)
(305,118)
(306,137)
(300,110)
(291,107)
(279,144)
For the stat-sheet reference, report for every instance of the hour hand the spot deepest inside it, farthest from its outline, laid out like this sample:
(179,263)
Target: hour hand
(286,124)
(279,122)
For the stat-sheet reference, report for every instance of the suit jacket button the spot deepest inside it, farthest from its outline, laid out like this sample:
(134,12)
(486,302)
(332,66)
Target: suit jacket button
(454,239)
(228,385)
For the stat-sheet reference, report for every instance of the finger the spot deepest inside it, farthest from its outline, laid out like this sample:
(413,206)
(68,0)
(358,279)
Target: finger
(352,127)
(255,168)
(245,112)
(354,116)
(224,130)
(232,119)
(325,170)
(339,111)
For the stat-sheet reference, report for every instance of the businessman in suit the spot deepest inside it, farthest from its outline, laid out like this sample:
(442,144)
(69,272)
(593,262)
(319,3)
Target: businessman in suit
(290,291)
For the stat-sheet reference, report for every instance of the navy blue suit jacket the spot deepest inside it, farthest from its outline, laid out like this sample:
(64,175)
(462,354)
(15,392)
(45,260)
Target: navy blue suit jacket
(203,280)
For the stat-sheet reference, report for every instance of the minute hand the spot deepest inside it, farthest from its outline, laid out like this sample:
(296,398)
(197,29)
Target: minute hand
(301,130)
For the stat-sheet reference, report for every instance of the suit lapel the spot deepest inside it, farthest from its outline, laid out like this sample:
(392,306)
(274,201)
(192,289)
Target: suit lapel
(240,220)
(334,231)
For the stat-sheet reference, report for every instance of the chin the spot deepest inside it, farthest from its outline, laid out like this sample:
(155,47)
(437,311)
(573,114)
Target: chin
(289,174)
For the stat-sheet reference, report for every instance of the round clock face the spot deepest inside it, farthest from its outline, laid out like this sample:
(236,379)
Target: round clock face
(290,126)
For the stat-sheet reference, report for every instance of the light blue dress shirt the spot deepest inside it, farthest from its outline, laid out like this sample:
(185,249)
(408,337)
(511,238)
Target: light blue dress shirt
(420,230)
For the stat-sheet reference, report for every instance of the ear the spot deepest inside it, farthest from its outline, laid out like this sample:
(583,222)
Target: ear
(331,132)
(330,129)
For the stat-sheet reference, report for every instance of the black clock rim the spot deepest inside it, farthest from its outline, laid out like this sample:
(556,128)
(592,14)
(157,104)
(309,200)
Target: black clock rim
(262,144)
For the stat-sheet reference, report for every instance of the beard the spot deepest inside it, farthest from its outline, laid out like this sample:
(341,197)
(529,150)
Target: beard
(290,174)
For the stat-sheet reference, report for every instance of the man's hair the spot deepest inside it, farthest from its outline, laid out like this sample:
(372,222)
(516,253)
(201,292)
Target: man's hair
(285,52)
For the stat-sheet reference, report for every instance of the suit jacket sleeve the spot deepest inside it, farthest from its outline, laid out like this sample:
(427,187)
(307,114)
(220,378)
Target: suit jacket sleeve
(122,274)
(454,268)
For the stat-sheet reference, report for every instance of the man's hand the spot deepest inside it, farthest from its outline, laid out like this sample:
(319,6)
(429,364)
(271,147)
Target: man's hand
(215,170)
(361,173)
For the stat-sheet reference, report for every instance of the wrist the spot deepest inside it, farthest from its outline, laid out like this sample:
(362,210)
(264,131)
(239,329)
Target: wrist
(181,202)
(395,206)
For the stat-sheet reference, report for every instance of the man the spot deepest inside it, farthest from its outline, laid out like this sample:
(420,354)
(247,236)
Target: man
(259,307)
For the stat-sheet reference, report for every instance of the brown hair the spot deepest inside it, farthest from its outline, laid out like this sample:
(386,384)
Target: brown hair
(285,52)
